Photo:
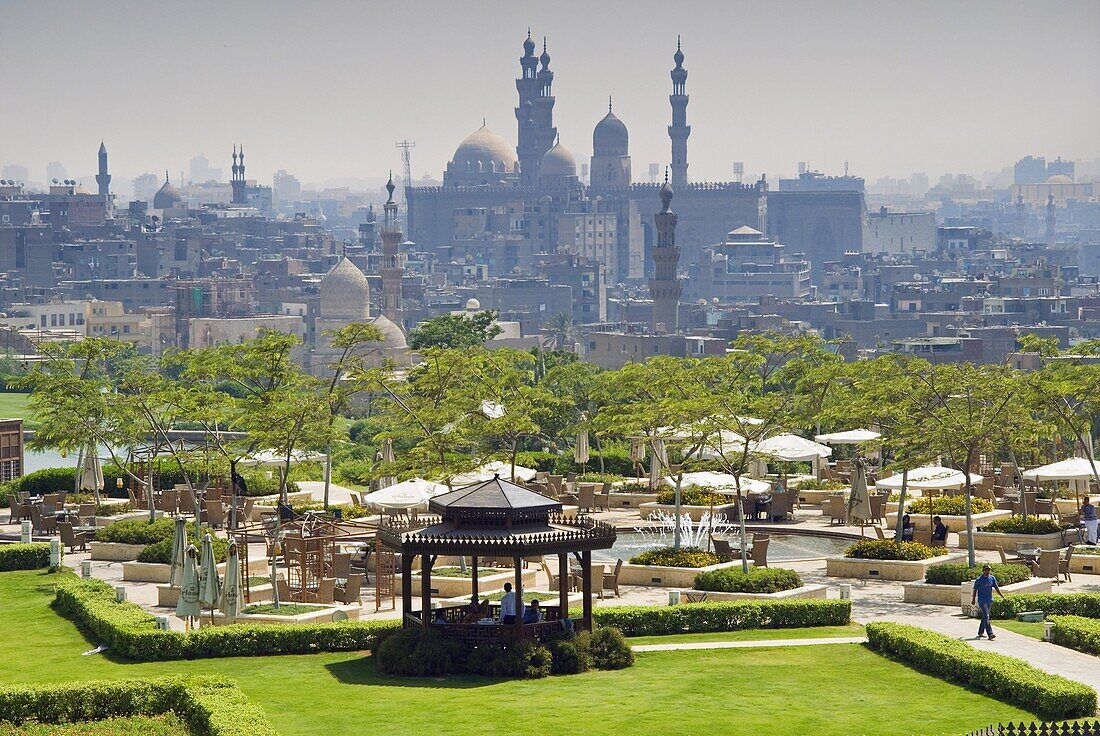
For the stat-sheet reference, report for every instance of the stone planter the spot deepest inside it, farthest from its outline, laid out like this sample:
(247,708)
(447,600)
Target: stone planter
(156,572)
(959,595)
(489,580)
(953,523)
(322,615)
(665,577)
(629,500)
(1085,564)
(114,551)
(817,498)
(806,591)
(1011,542)
(903,570)
(728,510)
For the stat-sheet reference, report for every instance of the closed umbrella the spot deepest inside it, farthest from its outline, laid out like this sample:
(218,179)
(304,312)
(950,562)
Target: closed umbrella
(209,585)
(859,501)
(188,605)
(658,461)
(91,473)
(580,450)
(637,450)
(179,553)
(231,588)
(387,457)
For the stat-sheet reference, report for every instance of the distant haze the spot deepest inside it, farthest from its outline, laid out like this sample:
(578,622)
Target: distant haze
(324,89)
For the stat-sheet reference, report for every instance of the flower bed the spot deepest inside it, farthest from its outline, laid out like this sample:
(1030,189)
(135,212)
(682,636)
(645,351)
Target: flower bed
(1005,678)
(948,506)
(671,557)
(668,567)
(690,618)
(24,556)
(990,539)
(958,574)
(886,559)
(136,531)
(1022,525)
(888,549)
(953,523)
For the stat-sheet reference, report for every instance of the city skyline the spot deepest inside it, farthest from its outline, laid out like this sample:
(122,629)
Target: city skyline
(823,85)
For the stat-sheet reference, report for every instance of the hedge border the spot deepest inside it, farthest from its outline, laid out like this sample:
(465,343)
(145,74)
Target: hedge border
(689,618)
(1085,605)
(130,632)
(208,705)
(1076,632)
(32,556)
(1006,678)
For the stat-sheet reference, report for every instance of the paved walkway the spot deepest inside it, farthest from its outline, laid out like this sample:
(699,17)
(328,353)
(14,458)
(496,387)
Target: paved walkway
(748,644)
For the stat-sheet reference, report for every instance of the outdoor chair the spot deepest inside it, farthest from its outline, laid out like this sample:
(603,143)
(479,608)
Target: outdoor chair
(879,534)
(781,506)
(695,597)
(1063,564)
(555,482)
(215,513)
(355,499)
(878,508)
(1047,566)
(341,565)
(603,497)
(837,509)
(760,550)
(570,477)
(72,539)
(722,549)
(554,580)
(86,513)
(586,497)
(748,508)
(326,590)
(42,520)
(1030,498)
(1043,507)
(985,490)
(51,500)
(283,589)
(924,536)
(1006,560)
(350,592)
(168,502)
(19,510)
(542,476)
(611,580)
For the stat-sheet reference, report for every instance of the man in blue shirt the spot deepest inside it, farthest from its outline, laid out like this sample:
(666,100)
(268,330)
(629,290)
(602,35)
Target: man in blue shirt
(983,593)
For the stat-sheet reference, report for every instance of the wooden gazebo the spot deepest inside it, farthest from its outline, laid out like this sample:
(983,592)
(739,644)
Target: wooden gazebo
(496,519)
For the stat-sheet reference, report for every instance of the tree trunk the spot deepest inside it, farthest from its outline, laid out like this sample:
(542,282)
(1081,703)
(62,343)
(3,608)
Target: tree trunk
(970,513)
(900,525)
(676,528)
(328,471)
(741,530)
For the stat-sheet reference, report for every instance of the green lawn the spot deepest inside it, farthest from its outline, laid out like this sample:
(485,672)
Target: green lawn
(1026,628)
(829,690)
(14,406)
(813,632)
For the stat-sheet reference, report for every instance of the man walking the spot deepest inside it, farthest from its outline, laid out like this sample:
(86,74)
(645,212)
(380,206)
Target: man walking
(983,593)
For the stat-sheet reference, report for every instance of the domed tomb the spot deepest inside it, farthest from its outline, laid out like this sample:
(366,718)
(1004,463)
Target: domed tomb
(482,158)
(345,293)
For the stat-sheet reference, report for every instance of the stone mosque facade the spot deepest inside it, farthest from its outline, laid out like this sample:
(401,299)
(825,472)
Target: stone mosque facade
(487,174)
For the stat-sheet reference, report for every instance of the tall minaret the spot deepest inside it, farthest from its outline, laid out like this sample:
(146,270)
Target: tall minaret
(103,179)
(546,135)
(238,182)
(527,148)
(392,271)
(1050,219)
(665,287)
(1021,216)
(679,130)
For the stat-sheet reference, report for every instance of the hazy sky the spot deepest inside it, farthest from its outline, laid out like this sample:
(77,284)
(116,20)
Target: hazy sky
(324,89)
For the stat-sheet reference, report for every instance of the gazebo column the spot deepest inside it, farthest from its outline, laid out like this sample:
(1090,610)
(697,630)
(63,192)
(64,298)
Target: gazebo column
(406,583)
(563,586)
(586,576)
(473,579)
(518,561)
(426,590)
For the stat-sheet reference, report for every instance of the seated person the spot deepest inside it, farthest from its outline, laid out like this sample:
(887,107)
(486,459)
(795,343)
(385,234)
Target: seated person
(439,618)
(532,614)
(907,529)
(939,530)
(474,613)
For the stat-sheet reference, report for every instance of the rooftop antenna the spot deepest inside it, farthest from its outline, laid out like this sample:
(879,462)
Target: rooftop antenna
(845,168)
(406,160)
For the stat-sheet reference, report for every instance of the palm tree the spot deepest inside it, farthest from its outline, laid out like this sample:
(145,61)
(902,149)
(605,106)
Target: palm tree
(561,328)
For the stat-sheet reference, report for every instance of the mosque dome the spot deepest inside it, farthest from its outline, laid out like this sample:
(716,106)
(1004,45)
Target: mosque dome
(345,293)
(472,305)
(393,337)
(610,137)
(484,150)
(167,197)
(558,163)
(1059,179)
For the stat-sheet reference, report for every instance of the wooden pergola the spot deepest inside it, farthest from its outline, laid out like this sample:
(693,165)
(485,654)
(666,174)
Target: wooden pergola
(496,519)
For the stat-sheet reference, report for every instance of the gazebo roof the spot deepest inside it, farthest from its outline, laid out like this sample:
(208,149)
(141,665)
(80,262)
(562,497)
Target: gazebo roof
(494,499)
(556,535)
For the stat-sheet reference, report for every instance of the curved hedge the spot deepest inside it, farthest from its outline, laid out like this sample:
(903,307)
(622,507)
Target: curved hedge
(1005,678)
(131,633)
(1086,605)
(948,506)
(208,705)
(1076,632)
(31,556)
(888,549)
(690,618)
(671,557)
(949,574)
(756,580)
(1022,525)
(694,496)
(136,531)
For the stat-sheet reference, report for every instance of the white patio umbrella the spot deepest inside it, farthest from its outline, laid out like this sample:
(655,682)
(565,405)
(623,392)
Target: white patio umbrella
(488,470)
(270,457)
(726,443)
(187,607)
(210,592)
(580,449)
(91,473)
(1072,469)
(387,457)
(792,448)
(930,478)
(724,483)
(404,495)
(859,501)
(179,553)
(849,437)
(231,587)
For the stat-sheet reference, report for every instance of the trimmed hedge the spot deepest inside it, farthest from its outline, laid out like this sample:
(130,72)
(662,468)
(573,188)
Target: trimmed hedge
(1076,632)
(691,618)
(756,580)
(948,506)
(24,556)
(694,496)
(888,549)
(131,633)
(1086,605)
(161,552)
(136,531)
(211,706)
(672,557)
(947,574)
(1022,525)
(1005,678)
(813,484)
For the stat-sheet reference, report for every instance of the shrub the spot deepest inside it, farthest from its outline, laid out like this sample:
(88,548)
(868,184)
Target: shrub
(888,549)
(1022,525)
(416,652)
(1005,678)
(1076,632)
(610,650)
(347,511)
(1084,549)
(694,496)
(1086,605)
(671,557)
(948,574)
(689,618)
(131,633)
(136,531)
(161,552)
(616,462)
(948,506)
(570,654)
(812,484)
(542,461)
(756,580)
(24,556)
(211,706)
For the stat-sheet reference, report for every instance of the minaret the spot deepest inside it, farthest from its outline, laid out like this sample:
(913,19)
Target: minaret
(1050,219)
(679,130)
(238,181)
(546,135)
(1021,216)
(392,271)
(528,87)
(103,179)
(665,287)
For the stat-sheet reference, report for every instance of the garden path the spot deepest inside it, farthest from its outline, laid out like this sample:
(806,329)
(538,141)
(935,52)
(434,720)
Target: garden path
(748,644)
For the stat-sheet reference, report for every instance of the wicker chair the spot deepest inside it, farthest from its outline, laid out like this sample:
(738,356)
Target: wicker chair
(837,509)
(586,497)
(350,592)
(215,513)
(878,508)
(326,590)
(1063,564)
(72,539)
(611,580)
(722,549)
(555,581)
(760,549)
(1047,566)
(1006,560)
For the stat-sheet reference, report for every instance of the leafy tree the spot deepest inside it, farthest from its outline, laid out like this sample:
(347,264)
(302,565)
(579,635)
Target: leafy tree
(455,331)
